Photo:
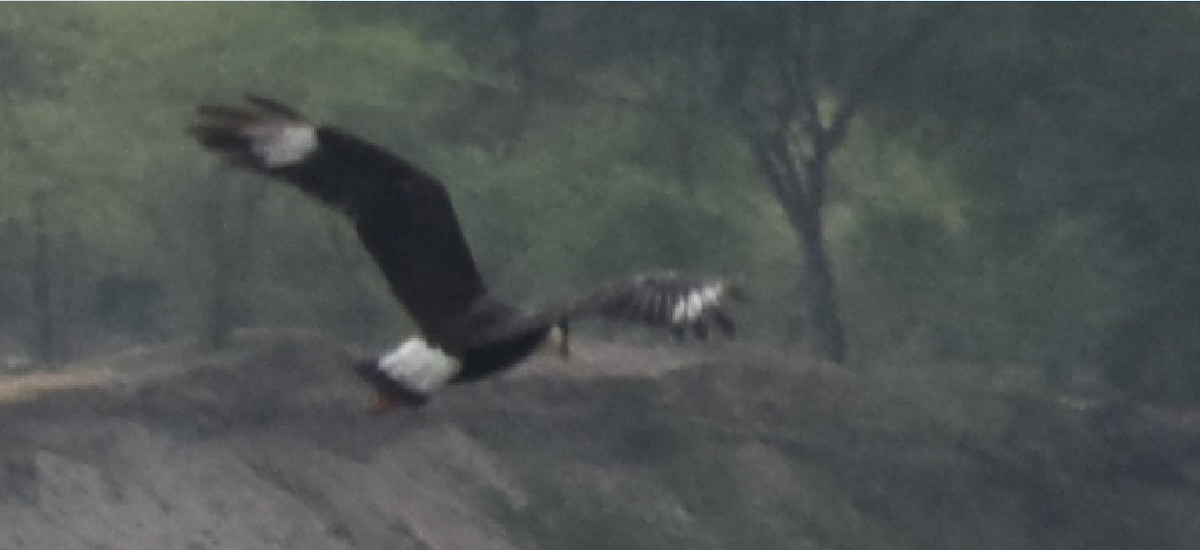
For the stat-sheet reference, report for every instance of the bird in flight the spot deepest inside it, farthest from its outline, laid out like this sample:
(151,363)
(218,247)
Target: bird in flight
(406,222)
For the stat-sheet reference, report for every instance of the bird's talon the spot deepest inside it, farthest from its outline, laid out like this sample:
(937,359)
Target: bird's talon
(381,404)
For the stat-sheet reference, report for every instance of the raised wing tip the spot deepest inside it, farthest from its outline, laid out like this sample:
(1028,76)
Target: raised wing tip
(273,106)
(682,304)
(258,108)
(263,134)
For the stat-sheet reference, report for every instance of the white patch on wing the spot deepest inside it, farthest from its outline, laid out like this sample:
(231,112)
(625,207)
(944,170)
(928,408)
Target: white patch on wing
(280,143)
(693,305)
(711,294)
(681,314)
(419,367)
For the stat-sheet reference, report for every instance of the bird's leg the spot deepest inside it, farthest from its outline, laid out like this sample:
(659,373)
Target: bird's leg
(381,404)
(564,342)
(388,395)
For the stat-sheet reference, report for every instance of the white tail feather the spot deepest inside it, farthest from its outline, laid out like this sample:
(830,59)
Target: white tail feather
(419,367)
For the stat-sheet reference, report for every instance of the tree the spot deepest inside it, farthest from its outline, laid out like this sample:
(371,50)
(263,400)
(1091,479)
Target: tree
(790,80)
(793,79)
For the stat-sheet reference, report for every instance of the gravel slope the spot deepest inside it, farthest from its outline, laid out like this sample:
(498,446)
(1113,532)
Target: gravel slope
(265,447)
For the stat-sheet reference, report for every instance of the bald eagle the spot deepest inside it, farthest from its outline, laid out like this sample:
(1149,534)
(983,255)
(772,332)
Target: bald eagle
(406,222)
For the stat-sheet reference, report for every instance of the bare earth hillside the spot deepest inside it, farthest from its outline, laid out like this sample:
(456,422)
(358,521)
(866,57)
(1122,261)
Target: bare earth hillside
(265,447)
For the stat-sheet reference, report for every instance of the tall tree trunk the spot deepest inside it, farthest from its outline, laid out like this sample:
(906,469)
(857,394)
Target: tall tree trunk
(803,199)
(823,308)
(821,289)
(795,111)
(799,183)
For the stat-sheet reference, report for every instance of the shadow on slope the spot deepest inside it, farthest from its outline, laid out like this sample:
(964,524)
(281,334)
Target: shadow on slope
(265,446)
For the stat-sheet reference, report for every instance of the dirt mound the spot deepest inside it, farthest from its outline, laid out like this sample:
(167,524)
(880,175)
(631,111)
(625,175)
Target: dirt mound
(265,446)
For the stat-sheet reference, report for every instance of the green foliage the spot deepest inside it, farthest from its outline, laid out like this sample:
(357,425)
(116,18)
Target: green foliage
(1020,191)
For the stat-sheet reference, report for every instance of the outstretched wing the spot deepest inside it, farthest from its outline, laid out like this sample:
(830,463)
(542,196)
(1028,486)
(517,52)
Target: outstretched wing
(660,299)
(403,215)
(665,299)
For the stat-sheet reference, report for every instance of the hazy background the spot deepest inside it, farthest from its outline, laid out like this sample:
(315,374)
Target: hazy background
(1004,188)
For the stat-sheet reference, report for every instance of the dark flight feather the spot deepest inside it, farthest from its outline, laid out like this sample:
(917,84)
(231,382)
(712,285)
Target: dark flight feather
(407,224)
(403,215)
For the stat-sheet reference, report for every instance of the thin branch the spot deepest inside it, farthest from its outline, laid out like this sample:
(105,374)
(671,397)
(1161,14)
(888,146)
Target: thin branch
(776,167)
(920,35)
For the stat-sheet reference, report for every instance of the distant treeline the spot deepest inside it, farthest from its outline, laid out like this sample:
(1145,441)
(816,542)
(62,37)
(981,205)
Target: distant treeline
(897,184)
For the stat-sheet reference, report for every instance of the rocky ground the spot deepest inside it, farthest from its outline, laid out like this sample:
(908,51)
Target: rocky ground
(265,446)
